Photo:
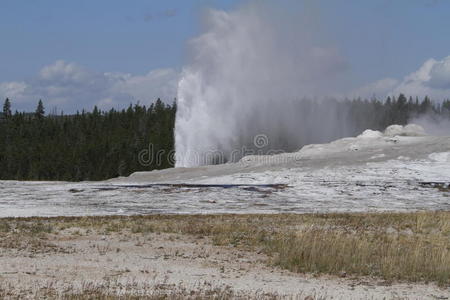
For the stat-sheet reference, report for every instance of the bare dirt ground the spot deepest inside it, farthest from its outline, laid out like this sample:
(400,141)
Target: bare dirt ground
(76,260)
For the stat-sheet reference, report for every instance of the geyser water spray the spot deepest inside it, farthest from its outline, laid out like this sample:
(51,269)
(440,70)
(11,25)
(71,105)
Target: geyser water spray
(248,73)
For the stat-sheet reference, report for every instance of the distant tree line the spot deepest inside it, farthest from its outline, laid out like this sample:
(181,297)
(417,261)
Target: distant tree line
(99,144)
(87,145)
(376,114)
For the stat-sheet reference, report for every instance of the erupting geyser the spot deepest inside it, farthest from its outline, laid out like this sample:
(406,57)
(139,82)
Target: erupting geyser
(248,72)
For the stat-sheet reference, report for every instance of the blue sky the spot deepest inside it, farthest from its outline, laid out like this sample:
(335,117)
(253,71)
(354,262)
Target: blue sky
(389,37)
(380,39)
(128,36)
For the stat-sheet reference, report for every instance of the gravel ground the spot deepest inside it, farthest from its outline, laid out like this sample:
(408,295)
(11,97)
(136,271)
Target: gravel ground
(74,260)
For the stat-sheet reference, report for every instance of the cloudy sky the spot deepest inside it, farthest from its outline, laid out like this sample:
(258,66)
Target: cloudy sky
(76,54)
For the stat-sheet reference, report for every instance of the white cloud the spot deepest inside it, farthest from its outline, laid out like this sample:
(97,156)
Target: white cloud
(440,74)
(71,87)
(12,89)
(431,79)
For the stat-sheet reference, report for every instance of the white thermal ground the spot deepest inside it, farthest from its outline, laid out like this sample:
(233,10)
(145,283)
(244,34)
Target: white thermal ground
(374,171)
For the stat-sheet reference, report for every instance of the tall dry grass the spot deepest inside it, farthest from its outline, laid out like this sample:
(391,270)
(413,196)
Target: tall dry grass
(392,246)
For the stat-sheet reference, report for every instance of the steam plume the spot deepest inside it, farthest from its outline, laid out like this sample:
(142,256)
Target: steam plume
(248,72)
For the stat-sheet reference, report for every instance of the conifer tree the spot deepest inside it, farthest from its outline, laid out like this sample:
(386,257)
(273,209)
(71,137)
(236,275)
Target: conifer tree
(40,111)
(7,108)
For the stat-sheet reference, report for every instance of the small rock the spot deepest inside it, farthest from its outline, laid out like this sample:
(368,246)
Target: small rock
(408,231)
(391,230)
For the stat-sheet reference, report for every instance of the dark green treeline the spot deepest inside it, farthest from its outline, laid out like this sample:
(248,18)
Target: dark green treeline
(99,145)
(377,115)
(85,146)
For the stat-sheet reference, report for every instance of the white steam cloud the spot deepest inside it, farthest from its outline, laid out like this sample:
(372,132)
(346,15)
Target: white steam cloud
(248,72)
(433,125)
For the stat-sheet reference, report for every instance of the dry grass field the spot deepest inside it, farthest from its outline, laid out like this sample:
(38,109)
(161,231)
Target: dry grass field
(393,247)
